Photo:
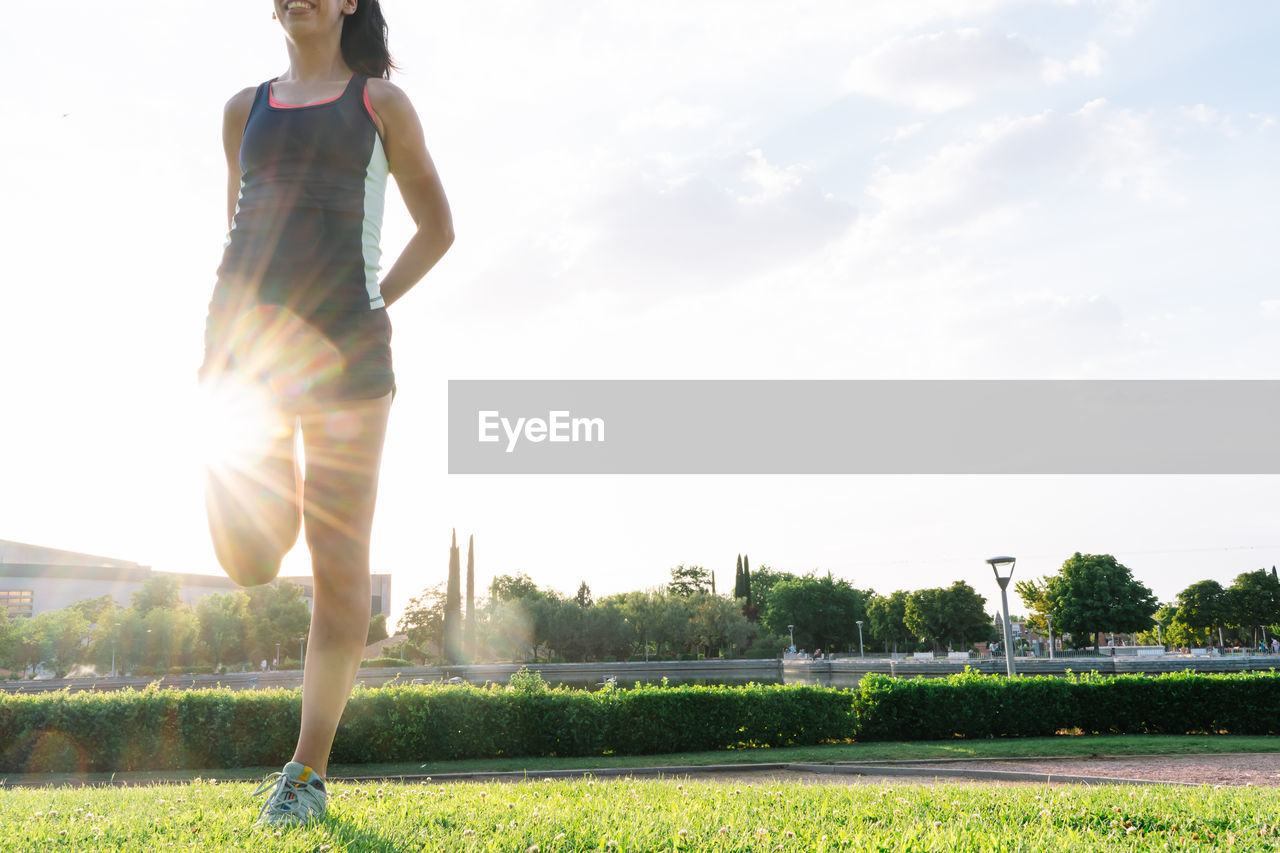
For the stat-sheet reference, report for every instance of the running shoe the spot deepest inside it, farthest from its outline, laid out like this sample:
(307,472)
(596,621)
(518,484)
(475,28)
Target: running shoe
(297,795)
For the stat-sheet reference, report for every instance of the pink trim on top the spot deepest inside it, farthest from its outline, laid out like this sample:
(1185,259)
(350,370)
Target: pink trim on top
(271,98)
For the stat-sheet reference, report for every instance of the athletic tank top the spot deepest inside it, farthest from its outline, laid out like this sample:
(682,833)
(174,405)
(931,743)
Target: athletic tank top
(307,224)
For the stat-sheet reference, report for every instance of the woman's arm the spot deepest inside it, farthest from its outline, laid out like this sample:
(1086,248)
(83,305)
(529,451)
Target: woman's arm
(234,117)
(419,184)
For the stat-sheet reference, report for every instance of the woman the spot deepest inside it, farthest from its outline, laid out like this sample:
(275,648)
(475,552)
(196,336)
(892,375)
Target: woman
(298,340)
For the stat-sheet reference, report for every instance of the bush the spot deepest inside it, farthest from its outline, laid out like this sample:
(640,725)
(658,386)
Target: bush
(385,662)
(973,705)
(159,729)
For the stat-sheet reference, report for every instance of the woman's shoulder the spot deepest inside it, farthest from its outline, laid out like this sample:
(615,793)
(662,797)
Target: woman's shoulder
(241,102)
(385,95)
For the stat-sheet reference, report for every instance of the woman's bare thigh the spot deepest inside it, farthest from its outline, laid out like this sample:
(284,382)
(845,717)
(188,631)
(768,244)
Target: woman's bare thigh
(252,502)
(343,450)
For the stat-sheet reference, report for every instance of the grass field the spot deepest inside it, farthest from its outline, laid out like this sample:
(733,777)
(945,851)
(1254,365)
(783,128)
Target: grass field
(1082,747)
(626,815)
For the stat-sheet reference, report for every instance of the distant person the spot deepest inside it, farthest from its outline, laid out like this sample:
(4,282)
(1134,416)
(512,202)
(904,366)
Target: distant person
(298,340)
(264,664)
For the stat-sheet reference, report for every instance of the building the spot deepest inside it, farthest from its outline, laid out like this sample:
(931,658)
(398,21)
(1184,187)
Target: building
(34,579)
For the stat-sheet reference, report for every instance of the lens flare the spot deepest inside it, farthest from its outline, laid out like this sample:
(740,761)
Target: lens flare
(239,422)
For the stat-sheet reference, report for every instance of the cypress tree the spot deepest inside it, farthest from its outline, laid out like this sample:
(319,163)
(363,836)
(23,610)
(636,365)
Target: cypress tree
(453,606)
(471,598)
(713,581)
(746,579)
(738,591)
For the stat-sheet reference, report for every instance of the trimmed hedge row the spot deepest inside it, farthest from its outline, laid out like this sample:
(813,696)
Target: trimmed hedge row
(169,729)
(982,706)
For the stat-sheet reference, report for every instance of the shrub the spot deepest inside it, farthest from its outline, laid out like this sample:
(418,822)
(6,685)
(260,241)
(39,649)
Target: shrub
(385,662)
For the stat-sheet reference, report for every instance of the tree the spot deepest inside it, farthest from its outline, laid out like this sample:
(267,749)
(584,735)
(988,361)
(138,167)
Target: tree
(824,611)
(514,588)
(746,581)
(453,607)
(157,591)
(1093,593)
(583,598)
(685,581)
(8,640)
(739,586)
(471,598)
(1253,602)
(1202,607)
(60,637)
(220,620)
(423,620)
(377,629)
(762,581)
(886,615)
(275,613)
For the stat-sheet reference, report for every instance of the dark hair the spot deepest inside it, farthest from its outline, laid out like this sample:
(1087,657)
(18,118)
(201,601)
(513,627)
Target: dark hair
(364,40)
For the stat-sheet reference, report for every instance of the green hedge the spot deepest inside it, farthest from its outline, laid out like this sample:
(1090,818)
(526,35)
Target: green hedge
(214,728)
(159,729)
(385,662)
(973,705)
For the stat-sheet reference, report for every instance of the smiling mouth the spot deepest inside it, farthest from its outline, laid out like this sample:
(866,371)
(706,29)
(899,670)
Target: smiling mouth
(298,6)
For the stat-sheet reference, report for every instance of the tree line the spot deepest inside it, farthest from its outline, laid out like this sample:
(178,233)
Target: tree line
(158,634)
(686,618)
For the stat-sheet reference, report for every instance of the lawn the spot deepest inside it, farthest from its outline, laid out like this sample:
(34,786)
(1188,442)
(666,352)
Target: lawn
(667,815)
(1085,746)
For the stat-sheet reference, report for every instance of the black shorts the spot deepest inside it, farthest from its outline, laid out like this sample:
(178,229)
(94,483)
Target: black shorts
(304,362)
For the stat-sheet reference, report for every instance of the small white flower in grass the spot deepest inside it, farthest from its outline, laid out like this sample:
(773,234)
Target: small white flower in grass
(610,845)
(532,848)
(559,837)
(684,833)
(724,830)
(484,794)
(789,834)
(761,832)
(467,833)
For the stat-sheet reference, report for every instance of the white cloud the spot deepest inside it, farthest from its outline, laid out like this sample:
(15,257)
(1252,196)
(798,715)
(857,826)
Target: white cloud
(1020,162)
(1087,64)
(941,71)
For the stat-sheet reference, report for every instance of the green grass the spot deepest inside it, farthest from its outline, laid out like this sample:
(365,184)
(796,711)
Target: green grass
(1087,746)
(626,815)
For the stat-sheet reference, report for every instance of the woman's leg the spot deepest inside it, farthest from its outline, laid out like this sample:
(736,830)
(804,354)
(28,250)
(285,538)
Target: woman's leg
(343,447)
(251,499)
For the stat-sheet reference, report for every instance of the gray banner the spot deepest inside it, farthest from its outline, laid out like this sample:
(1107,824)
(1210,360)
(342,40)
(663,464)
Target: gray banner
(863,427)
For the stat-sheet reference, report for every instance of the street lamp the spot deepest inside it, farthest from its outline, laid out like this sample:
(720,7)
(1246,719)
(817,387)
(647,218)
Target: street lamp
(113,648)
(1159,638)
(1005,564)
(792,629)
(861,653)
(300,659)
(1049,616)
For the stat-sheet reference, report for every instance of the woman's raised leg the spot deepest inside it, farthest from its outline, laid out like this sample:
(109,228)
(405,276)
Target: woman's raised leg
(251,498)
(343,451)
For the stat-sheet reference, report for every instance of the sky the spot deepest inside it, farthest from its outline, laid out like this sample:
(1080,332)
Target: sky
(942,189)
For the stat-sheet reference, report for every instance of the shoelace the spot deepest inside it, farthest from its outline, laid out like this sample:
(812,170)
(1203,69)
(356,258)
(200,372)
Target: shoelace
(277,781)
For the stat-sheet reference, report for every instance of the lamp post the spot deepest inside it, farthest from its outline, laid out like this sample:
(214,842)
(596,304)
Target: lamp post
(1049,616)
(1159,637)
(114,633)
(300,659)
(861,653)
(1005,564)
